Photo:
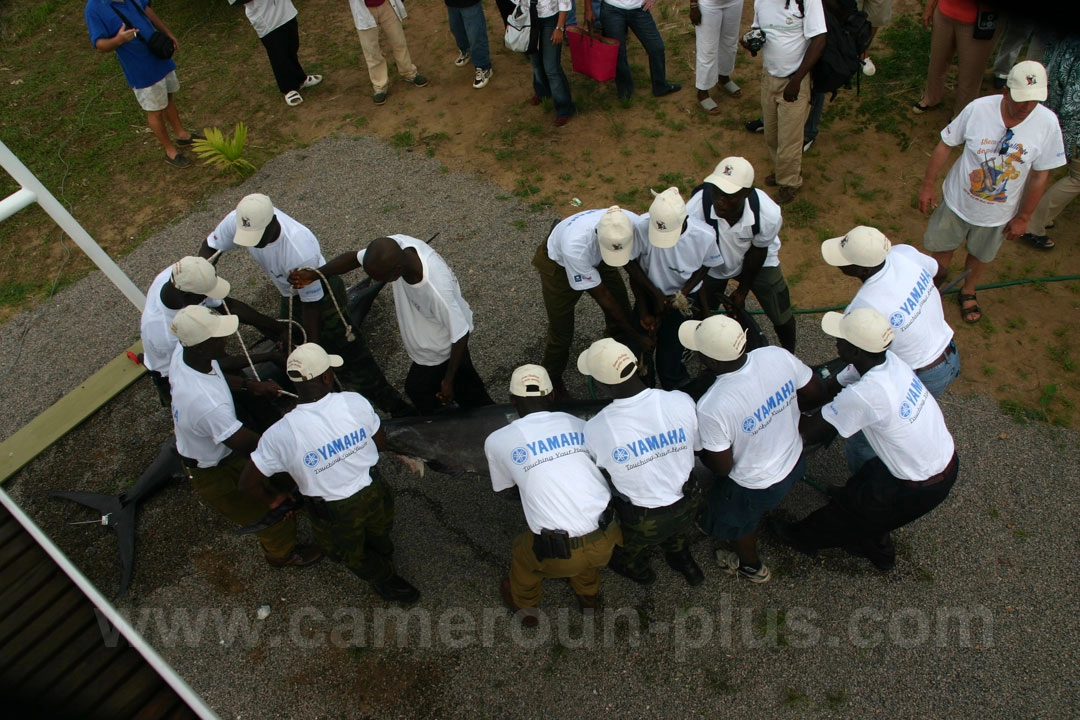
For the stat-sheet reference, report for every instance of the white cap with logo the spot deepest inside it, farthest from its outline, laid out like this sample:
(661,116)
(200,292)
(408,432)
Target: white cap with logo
(196,324)
(1027,82)
(530,381)
(863,246)
(196,275)
(732,174)
(666,217)
(309,361)
(607,361)
(718,336)
(253,214)
(616,236)
(865,328)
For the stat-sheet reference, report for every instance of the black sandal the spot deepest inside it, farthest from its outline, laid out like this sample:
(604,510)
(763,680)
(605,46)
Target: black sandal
(966,312)
(1040,242)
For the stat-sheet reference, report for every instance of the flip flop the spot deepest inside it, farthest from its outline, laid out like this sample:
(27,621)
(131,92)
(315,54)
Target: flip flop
(967,312)
(709,105)
(293,98)
(732,89)
(1040,242)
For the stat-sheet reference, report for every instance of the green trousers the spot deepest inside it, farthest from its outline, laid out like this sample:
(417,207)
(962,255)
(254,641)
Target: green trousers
(644,528)
(356,531)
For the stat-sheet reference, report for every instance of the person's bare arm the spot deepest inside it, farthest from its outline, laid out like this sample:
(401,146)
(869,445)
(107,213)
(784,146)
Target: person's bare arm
(122,36)
(927,192)
(1033,192)
(810,58)
(720,463)
(160,25)
(343,263)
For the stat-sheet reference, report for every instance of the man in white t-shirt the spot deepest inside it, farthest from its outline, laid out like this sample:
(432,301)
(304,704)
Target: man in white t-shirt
(275,24)
(746,225)
(674,254)
(212,443)
(571,532)
(794,38)
(329,445)
(749,425)
(189,281)
(1010,145)
(279,245)
(582,254)
(434,319)
(645,441)
(915,464)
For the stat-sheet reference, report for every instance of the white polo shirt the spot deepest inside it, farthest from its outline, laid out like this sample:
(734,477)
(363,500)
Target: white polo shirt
(903,291)
(984,185)
(573,245)
(646,444)
(544,454)
(787,33)
(295,247)
(327,446)
(899,417)
(736,240)
(432,315)
(267,15)
(204,416)
(755,412)
(158,342)
(670,268)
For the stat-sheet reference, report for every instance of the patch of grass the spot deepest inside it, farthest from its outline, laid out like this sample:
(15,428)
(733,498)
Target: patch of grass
(884,103)
(988,369)
(835,699)
(1021,413)
(795,699)
(14,293)
(403,139)
(1062,355)
(626,198)
(924,576)
(800,213)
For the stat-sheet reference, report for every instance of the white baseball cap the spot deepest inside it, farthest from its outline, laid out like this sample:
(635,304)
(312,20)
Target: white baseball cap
(309,361)
(616,236)
(864,328)
(666,217)
(717,336)
(196,324)
(608,361)
(732,174)
(863,246)
(196,275)
(1027,81)
(253,214)
(530,381)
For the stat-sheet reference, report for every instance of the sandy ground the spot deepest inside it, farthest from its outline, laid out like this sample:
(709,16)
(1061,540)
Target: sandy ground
(978,618)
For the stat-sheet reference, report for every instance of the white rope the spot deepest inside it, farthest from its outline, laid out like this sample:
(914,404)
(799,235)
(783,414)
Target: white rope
(251,363)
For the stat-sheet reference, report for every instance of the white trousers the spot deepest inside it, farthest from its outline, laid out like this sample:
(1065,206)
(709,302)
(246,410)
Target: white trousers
(716,40)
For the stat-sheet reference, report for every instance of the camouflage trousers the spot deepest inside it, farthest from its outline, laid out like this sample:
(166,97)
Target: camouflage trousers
(667,527)
(359,371)
(356,531)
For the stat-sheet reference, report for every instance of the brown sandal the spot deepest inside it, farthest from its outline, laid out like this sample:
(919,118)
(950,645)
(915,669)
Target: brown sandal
(967,312)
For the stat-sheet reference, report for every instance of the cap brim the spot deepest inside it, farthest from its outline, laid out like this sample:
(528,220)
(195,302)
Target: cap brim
(725,185)
(830,324)
(615,258)
(220,291)
(227,325)
(686,334)
(832,253)
(583,363)
(1025,95)
(248,237)
(335,360)
(664,238)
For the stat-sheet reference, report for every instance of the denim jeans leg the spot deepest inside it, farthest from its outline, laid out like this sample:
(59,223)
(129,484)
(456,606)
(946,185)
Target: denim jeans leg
(475,25)
(648,34)
(540,82)
(817,109)
(614,21)
(457,28)
(551,59)
(936,379)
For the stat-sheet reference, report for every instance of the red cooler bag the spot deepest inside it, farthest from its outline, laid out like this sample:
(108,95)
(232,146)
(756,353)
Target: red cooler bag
(591,54)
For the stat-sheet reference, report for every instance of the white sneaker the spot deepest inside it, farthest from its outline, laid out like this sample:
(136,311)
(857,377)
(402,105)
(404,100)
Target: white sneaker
(482,77)
(868,68)
(729,563)
(462,58)
(806,145)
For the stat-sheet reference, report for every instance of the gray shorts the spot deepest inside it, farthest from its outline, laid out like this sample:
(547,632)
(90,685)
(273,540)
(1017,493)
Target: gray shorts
(156,97)
(947,231)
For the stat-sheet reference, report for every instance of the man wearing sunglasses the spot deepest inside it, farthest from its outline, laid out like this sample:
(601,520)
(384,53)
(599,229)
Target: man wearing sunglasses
(1010,145)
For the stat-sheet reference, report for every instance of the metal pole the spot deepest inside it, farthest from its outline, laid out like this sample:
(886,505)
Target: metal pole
(32,186)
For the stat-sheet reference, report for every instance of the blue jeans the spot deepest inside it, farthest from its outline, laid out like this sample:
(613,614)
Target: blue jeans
(817,108)
(469,28)
(549,80)
(616,21)
(857,448)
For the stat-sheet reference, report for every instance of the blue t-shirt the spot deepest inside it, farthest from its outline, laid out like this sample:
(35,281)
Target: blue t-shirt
(141,67)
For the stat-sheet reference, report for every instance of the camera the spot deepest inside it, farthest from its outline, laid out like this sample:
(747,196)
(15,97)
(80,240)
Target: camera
(754,40)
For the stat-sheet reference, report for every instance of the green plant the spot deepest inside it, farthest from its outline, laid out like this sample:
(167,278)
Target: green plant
(224,153)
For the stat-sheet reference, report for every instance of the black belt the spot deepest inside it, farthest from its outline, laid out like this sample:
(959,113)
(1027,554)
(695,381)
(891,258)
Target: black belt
(606,519)
(950,349)
(950,469)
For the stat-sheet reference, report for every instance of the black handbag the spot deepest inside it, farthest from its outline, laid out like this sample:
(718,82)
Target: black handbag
(159,44)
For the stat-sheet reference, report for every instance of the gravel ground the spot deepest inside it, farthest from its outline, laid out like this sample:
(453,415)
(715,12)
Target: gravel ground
(978,618)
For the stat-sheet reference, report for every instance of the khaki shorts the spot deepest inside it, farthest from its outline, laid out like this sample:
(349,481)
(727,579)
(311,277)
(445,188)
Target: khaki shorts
(878,11)
(947,231)
(156,97)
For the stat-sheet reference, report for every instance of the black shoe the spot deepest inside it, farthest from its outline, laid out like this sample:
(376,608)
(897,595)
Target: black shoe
(683,562)
(396,589)
(645,577)
(671,88)
(756,126)
(529,616)
(880,551)
(783,532)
